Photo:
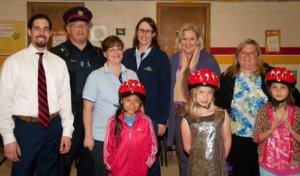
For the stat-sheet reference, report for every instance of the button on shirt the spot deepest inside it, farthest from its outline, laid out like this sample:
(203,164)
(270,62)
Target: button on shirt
(102,87)
(18,90)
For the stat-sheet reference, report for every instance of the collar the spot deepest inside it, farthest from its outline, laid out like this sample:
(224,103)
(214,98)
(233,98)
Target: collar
(107,70)
(146,52)
(33,50)
(138,114)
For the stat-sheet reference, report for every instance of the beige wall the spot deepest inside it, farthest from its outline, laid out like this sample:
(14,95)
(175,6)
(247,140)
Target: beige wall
(121,15)
(231,22)
(13,10)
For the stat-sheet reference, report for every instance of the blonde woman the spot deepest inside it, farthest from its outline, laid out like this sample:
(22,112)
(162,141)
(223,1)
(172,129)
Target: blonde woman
(242,93)
(190,57)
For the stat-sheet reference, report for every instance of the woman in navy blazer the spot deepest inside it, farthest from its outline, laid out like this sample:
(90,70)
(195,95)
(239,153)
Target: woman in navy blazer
(153,68)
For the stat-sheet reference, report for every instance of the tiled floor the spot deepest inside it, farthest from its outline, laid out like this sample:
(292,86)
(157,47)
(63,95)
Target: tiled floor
(171,170)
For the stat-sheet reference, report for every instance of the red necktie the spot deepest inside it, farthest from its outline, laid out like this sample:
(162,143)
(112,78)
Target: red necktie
(44,116)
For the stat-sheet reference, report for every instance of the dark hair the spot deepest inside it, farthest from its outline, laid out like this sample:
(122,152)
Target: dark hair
(118,126)
(111,41)
(151,22)
(39,16)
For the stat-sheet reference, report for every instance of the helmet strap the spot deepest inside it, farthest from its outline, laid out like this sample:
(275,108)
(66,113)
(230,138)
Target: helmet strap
(206,107)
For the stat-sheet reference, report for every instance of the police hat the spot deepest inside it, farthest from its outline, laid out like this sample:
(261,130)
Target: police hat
(78,13)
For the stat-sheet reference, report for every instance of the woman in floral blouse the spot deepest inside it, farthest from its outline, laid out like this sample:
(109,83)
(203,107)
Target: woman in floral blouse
(242,93)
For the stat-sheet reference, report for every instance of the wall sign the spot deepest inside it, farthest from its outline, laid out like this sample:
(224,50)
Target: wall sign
(120,31)
(272,38)
(12,37)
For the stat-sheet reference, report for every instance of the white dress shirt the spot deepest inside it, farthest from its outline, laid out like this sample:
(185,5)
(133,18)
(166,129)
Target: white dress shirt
(18,90)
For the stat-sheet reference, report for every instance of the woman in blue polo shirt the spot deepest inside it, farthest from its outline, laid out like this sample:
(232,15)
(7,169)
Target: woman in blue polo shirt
(100,98)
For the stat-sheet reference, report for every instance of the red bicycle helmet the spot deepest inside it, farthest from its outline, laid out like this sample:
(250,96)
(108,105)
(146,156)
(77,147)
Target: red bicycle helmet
(132,86)
(204,77)
(281,75)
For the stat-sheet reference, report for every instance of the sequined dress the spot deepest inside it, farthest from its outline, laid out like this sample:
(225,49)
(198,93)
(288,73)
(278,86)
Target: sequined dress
(207,151)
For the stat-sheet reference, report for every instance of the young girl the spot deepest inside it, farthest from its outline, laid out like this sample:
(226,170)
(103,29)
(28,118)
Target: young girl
(130,144)
(205,129)
(277,127)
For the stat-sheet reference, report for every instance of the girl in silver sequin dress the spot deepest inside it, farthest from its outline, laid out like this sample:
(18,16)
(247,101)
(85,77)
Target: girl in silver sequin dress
(205,129)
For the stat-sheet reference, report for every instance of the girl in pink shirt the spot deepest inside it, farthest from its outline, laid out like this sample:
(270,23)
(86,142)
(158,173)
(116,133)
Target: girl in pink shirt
(130,144)
(277,127)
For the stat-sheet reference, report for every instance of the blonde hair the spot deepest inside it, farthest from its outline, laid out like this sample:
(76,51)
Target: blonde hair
(192,105)
(195,29)
(234,69)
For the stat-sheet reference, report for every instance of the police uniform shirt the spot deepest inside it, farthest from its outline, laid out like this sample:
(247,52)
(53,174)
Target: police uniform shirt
(80,64)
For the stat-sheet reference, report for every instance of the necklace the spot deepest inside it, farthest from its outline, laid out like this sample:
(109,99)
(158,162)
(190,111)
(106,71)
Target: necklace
(281,116)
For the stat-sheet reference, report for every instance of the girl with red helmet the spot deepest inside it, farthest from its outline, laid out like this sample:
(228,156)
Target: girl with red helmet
(130,143)
(277,127)
(205,128)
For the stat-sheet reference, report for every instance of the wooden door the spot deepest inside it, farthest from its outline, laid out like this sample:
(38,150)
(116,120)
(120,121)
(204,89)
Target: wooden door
(171,16)
(55,11)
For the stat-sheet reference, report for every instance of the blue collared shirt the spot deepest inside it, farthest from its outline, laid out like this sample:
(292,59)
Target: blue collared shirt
(101,87)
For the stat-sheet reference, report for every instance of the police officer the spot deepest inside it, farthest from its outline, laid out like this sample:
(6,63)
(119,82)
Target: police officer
(81,58)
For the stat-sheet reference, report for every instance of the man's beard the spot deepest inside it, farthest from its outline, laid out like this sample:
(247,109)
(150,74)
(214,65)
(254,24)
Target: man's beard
(41,44)
(81,39)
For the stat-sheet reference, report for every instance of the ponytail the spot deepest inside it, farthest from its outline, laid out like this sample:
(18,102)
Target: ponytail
(118,126)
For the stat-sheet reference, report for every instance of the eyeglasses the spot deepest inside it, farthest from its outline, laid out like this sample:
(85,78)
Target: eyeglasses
(244,53)
(39,29)
(79,26)
(143,31)
(115,49)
